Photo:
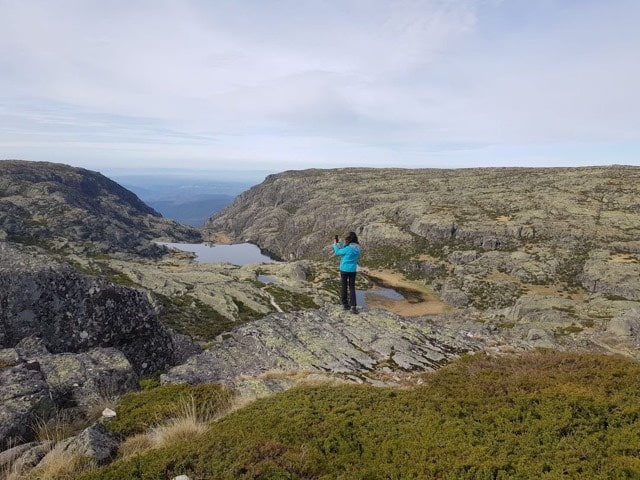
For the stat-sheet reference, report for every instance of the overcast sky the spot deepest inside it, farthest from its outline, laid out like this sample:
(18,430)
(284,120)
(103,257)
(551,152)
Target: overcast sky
(291,84)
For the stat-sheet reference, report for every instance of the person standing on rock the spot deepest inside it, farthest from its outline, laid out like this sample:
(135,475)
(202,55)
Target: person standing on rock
(350,251)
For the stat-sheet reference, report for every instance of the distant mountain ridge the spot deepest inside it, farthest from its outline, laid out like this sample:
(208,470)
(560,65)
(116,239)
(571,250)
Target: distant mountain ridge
(43,202)
(188,197)
(192,212)
(295,214)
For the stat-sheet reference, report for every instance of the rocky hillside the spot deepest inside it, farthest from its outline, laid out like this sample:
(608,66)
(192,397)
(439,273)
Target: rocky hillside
(70,341)
(508,260)
(481,237)
(295,214)
(58,205)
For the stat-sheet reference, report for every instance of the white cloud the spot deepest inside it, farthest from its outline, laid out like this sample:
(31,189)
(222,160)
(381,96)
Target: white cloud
(314,83)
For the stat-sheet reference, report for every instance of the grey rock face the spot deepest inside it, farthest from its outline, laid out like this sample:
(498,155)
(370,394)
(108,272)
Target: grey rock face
(541,338)
(84,379)
(326,340)
(183,347)
(605,273)
(38,386)
(542,310)
(458,257)
(454,296)
(8,357)
(626,326)
(95,443)
(71,312)
(24,396)
(23,457)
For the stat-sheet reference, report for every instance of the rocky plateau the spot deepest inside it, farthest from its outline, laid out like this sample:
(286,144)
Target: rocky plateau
(495,260)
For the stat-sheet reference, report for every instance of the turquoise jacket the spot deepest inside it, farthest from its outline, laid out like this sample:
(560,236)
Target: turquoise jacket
(349,254)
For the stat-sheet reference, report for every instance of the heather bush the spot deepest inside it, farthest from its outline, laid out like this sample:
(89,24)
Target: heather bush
(543,415)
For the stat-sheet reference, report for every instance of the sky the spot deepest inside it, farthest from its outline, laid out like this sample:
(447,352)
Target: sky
(274,85)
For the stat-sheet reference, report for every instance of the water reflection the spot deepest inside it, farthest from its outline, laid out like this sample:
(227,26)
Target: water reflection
(266,279)
(361,295)
(238,254)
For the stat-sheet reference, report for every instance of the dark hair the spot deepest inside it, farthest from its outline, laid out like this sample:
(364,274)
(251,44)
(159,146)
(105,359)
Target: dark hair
(351,238)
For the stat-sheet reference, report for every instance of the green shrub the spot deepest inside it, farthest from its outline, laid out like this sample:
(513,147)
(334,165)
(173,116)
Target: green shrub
(147,383)
(139,411)
(543,415)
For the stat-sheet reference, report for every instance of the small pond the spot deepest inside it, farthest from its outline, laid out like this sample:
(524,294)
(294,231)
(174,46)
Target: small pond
(238,254)
(361,295)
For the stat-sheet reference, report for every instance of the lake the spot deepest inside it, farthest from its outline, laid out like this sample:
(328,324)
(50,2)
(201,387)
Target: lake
(237,254)
(245,253)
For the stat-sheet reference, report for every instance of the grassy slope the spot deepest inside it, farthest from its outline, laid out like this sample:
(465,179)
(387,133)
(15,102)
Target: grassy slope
(550,415)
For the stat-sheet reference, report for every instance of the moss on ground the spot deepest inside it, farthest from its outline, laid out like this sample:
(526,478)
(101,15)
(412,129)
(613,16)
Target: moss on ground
(290,301)
(544,415)
(190,316)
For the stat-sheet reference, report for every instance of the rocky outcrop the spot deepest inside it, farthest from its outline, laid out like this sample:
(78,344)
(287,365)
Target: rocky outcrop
(64,207)
(295,214)
(73,313)
(325,340)
(40,384)
(85,379)
(23,457)
(613,275)
(24,397)
(94,443)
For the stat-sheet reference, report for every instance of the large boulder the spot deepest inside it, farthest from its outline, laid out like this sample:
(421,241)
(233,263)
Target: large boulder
(94,442)
(73,312)
(41,384)
(626,326)
(23,457)
(85,379)
(24,398)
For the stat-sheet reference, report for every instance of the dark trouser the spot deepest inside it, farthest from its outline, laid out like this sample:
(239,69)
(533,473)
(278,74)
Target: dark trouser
(348,278)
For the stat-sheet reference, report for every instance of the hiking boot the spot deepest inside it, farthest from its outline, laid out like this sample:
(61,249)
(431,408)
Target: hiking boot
(346,307)
(354,310)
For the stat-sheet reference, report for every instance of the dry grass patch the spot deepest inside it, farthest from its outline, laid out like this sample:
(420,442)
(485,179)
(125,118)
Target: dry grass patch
(176,431)
(55,428)
(192,420)
(168,415)
(135,445)
(220,237)
(623,258)
(60,464)
(553,291)
(425,257)
(302,377)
